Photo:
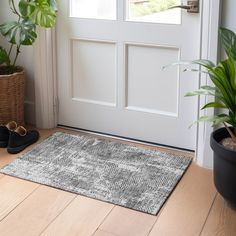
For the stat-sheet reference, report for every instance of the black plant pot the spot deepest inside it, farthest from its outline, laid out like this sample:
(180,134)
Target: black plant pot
(224,167)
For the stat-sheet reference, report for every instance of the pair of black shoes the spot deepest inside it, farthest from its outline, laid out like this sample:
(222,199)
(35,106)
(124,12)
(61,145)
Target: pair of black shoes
(16,138)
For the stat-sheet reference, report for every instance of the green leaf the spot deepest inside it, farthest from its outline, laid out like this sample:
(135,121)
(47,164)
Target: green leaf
(223,87)
(215,120)
(24,8)
(205,90)
(213,104)
(232,120)
(228,39)
(195,70)
(207,87)
(222,78)
(22,32)
(7,30)
(4,58)
(205,63)
(219,119)
(53,5)
(41,12)
(229,66)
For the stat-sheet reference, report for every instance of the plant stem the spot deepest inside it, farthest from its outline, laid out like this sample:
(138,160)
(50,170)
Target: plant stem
(14,8)
(9,53)
(230,133)
(17,54)
(18,46)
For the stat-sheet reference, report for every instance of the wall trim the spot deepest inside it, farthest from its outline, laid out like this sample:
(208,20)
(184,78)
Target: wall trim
(210,19)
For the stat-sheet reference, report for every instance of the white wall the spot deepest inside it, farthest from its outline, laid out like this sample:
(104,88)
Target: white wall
(228,18)
(26,60)
(229,14)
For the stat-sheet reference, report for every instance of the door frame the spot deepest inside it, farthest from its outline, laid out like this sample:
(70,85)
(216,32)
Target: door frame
(210,21)
(45,68)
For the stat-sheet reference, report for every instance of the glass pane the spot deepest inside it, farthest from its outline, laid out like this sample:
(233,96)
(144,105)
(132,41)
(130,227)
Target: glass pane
(97,9)
(154,11)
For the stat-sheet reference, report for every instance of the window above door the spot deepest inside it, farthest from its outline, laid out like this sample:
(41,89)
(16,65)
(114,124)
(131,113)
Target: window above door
(153,11)
(94,9)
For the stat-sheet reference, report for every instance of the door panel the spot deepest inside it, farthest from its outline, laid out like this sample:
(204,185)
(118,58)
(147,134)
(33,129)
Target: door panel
(92,80)
(110,76)
(144,76)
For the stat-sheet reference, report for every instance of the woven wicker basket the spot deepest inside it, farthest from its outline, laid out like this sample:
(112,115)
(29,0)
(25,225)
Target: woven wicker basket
(12,90)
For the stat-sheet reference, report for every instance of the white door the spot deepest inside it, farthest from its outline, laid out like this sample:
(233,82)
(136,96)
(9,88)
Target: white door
(110,77)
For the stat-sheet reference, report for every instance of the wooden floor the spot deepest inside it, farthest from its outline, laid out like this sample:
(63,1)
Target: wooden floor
(28,209)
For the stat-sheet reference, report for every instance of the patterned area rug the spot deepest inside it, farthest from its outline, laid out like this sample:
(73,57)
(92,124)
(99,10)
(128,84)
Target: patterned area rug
(122,174)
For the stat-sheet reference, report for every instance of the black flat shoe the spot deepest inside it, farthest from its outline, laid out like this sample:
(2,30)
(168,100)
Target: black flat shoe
(5,132)
(20,138)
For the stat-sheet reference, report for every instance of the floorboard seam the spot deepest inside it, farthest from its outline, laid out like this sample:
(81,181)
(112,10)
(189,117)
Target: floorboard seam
(157,217)
(2,175)
(105,232)
(19,203)
(163,207)
(203,226)
(104,221)
(46,227)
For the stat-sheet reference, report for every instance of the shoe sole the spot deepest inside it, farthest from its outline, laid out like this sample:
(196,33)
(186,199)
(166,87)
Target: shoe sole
(16,150)
(3,144)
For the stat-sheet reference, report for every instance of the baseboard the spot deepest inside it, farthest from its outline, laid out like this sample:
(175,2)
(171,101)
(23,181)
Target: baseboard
(30,112)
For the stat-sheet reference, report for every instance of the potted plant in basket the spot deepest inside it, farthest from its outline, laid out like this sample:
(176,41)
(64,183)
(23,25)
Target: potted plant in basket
(20,32)
(223,140)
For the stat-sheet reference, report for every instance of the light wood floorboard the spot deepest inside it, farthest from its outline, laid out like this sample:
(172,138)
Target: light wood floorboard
(28,209)
(6,158)
(12,192)
(188,206)
(102,233)
(2,151)
(33,215)
(221,221)
(81,218)
(122,222)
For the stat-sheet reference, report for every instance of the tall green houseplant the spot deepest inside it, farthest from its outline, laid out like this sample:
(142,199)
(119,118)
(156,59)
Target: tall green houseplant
(222,140)
(22,31)
(223,76)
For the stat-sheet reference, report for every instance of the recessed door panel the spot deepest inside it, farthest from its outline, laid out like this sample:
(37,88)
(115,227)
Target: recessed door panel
(145,75)
(92,80)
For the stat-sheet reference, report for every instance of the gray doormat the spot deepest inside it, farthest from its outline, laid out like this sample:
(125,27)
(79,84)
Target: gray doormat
(121,174)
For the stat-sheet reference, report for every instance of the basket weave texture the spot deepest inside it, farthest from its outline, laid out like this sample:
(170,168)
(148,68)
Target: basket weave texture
(12,90)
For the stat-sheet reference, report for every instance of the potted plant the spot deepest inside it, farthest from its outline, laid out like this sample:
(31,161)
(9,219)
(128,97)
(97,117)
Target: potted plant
(223,140)
(20,32)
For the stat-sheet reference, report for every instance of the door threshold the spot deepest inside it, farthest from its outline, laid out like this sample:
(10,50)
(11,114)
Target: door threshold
(125,138)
